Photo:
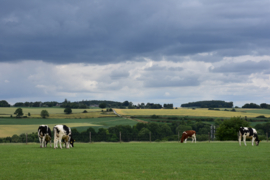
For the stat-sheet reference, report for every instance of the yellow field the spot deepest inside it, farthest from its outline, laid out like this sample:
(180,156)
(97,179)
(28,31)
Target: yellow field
(9,130)
(185,112)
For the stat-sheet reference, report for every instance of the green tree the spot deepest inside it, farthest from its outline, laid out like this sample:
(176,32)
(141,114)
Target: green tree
(228,128)
(68,110)
(44,114)
(15,138)
(143,135)
(19,112)
(181,128)
(102,105)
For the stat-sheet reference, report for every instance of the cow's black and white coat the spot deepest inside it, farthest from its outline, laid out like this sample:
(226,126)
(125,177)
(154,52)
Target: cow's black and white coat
(250,133)
(44,135)
(62,132)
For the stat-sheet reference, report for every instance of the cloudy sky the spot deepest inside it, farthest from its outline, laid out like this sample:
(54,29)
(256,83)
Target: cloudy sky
(137,50)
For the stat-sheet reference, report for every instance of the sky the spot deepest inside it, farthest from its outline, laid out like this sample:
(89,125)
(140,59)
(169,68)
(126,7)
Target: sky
(137,50)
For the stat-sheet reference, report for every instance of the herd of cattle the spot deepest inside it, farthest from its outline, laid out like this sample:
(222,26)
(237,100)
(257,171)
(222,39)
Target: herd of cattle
(62,132)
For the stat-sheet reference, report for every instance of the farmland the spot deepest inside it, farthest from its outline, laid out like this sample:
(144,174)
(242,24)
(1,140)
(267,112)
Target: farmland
(10,126)
(136,161)
(199,112)
(97,119)
(56,113)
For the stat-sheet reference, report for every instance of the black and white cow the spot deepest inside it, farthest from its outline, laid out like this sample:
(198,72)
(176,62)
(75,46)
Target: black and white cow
(62,132)
(44,135)
(250,133)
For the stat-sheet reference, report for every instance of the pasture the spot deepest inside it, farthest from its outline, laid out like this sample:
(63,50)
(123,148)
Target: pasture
(215,160)
(199,112)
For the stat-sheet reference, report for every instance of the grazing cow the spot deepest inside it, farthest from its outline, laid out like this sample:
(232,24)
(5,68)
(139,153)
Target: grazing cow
(44,135)
(62,132)
(187,134)
(250,133)
(71,143)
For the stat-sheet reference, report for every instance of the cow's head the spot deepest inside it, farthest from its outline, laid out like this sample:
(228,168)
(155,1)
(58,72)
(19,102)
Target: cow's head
(72,142)
(257,141)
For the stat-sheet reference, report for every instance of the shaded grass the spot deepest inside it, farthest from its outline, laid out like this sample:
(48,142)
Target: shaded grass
(136,161)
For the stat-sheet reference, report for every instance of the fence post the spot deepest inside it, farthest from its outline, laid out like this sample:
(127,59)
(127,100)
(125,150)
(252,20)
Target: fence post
(178,137)
(26,138)
(150,136)
(120,136)
(209,136)
(90,137)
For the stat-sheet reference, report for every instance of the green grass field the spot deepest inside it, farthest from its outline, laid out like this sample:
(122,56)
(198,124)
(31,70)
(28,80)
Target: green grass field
(219,160)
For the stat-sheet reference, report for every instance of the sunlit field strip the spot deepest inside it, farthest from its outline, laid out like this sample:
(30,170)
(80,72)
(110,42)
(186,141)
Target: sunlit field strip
(9,130)
(187,112)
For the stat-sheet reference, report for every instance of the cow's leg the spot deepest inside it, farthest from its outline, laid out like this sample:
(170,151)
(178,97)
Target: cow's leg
(55,143)
(43,141)
(194,137)
(60,141)
(252,141)
(244,139)
(40,141)
(239,139)
(186,140)
(55,138)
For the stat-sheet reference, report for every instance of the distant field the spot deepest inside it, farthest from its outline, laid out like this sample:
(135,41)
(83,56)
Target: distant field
(56,112)
(202,112)
(11,126)
(219,160)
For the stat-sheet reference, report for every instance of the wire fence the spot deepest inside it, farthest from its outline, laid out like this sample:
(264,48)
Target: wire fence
(89,137)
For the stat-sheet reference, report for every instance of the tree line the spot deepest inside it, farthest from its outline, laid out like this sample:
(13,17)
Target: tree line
(4,103)
(127,104)
(253,105)
(209,104)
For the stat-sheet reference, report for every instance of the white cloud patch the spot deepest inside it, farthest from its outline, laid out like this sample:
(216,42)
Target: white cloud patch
(143,81)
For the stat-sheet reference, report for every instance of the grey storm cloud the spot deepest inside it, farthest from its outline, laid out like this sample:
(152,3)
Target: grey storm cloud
(117,74)
(114,31)
(170,82)
(246,67)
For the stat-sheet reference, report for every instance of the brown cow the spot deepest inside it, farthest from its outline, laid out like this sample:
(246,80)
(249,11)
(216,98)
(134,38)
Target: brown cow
(187,134)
